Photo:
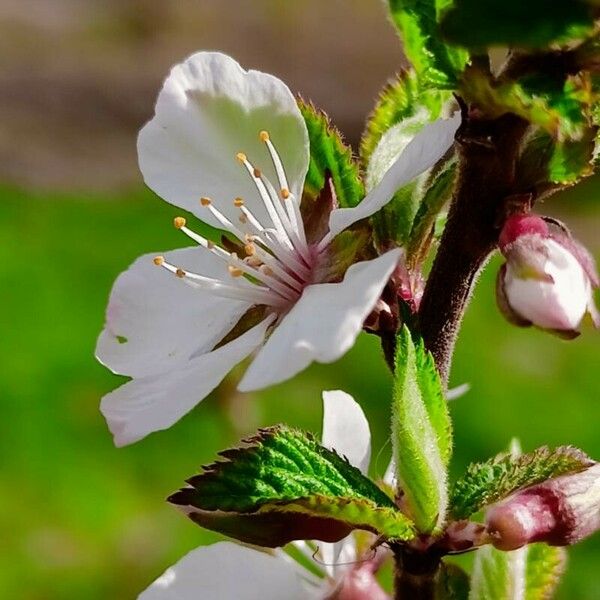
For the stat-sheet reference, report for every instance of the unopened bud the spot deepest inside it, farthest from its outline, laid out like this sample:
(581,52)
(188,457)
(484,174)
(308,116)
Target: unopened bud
(547,279)
(560,512)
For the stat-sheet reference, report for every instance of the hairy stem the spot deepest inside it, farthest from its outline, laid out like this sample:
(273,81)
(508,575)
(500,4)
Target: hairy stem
(416,575)
(488,151)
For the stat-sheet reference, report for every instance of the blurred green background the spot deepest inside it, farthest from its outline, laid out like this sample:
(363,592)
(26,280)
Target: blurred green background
(81,519)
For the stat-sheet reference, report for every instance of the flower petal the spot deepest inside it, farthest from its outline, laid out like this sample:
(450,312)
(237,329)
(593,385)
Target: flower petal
(156,402)
(155,322)
(323,324)
(208,110)
(225,571)
(346,429)
(425,149)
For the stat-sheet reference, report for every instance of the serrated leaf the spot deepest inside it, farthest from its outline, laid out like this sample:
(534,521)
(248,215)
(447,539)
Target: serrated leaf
(330,155)
(530,573)
(478,24)
(284,472)
(421,434)
(436,63)
(486,483)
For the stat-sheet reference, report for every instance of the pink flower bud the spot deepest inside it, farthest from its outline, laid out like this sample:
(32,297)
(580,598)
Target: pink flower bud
(560,512)
(548,277)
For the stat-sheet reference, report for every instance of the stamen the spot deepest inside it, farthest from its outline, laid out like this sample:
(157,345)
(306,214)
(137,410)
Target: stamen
(223,220)
(285,193)
(264,136)
(241,157)
(250,249)
(235,271)
(238,202)
(205,201)
(180,273)
(179,222)
(159,261)
(256,172)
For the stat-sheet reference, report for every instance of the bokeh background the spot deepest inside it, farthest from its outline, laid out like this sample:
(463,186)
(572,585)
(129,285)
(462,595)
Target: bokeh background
(79,518)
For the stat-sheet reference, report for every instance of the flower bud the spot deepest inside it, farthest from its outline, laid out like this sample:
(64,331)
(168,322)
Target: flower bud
(560,512)
(548,277)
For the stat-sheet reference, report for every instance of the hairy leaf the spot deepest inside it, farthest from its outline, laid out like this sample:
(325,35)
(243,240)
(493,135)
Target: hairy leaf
(481,23)
(330,155)
(436,63)
(421,434)
(491,481)
(530,573)
(280,475)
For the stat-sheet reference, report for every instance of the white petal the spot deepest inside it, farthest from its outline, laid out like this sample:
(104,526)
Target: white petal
(560,304)
(323,324)
(156,402)
(155,321)
(346,429)
(426,148)
(208,110)
(227,571)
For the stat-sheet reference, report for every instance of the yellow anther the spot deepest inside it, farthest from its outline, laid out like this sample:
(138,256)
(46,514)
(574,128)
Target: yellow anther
(159,260)
(242,219)
(266,270)
(285,193)
(257,173)
(250,249)
(180,273)
(241,157)
(235,271)
(238,202)
(253,261)
(264,136)
(179,222)
(205,201)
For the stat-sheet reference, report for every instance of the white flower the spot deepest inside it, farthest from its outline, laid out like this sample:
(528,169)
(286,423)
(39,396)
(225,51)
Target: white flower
(227,570)
(548,278)
(212,119)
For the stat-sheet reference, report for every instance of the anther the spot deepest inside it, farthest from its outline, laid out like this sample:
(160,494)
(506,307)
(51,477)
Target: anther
(250,249)
(241,157)
(243,219)
(285,193)
(180,273)
(210,245)
(205,201)
(159,261)
(257,173)
(235,271)
(179,222)
(264,136)
(266,270)
(238,202)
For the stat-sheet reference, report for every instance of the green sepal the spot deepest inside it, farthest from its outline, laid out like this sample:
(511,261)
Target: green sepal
(421,434)
(530,573)
(329,154)
(282,476)
(479,24)
(486,483)
(436,63)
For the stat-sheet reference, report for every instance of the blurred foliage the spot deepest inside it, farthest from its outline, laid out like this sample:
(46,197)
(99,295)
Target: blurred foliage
(82,519)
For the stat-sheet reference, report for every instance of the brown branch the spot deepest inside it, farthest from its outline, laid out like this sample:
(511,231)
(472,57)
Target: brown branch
(488,151)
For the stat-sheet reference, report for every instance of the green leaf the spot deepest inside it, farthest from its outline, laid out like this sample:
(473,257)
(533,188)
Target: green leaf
(421,434)
(436,194)
(559,106)
(436,63)
(530,573)
(491,481)
(329,154)
(478,24)
(403,109)
(545,565)
(282,476)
